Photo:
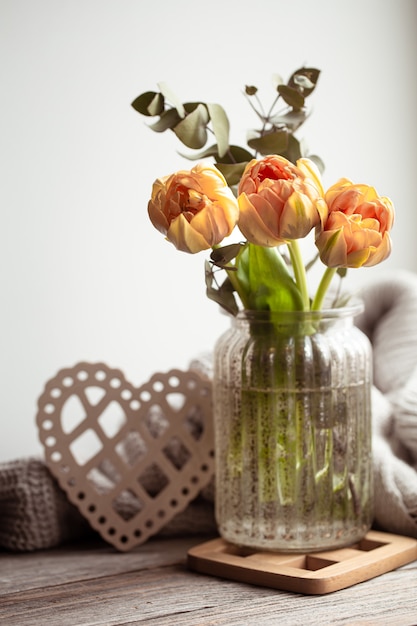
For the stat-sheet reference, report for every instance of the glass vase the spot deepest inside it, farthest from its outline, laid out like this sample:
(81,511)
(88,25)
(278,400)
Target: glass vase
(293,430)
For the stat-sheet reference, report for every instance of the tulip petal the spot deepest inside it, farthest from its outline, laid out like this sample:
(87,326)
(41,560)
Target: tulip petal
(381,253)
(157,218)
(310,170)
(252,225)
(185,237)
(332,247)
(299,216)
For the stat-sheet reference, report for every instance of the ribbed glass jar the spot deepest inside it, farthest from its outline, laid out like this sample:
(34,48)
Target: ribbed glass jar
(293,430)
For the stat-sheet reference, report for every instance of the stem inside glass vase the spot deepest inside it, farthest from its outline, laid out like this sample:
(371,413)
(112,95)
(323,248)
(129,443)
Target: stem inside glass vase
(292,417)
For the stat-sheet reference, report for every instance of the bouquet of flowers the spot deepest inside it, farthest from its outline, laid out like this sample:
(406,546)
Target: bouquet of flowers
(271,192)
(291,384)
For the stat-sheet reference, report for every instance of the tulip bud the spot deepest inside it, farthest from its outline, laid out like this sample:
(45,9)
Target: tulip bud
(356,232)
(279,201)
(195,209)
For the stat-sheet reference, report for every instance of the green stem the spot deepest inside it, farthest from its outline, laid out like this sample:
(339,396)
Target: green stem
(299,272)
(322,288)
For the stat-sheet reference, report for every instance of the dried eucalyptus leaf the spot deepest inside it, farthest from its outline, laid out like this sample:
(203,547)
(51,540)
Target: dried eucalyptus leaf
(208,274)
(223,295)
(192,106)
(149,103)
(222,256)
(227,298)
(310,74)
(303,81)
(271,143)
(192,129)
(211,151)
(236,155)
(221,127)
(168,119)
(291,96)
(172,98)
(293,151)
(292,119)
(231,171)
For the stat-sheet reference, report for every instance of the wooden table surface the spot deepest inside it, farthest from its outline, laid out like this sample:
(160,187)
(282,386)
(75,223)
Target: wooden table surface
(91,584)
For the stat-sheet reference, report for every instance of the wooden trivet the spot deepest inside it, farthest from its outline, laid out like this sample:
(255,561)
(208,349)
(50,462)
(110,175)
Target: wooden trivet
(318,573)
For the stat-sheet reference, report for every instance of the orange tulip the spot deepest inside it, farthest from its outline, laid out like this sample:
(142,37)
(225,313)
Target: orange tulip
(195,209)
(356,232)
(280,201)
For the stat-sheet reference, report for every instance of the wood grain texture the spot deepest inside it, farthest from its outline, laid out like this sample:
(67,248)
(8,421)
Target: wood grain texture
(84,561)
(318,573)
(92,584)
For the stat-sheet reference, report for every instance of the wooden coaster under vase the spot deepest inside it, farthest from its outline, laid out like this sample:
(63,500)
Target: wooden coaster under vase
(315,573)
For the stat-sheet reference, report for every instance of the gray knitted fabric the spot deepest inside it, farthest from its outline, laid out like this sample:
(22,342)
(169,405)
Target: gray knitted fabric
(35,514)
(390,321)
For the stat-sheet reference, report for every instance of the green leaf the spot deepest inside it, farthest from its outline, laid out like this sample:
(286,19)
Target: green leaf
(149,103)
(192,129)
(271,143)
(266,281)
(221,127)
(172,98)
(232,171)
(168,119)
(291,96)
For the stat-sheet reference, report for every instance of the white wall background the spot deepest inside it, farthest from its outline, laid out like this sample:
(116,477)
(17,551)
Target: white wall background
(84,276)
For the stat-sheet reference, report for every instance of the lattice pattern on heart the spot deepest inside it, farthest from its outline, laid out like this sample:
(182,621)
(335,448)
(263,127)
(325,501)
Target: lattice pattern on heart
(129,458)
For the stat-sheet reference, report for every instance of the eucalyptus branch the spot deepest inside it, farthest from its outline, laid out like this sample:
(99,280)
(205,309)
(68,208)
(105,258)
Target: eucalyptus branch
(260,115)
(277,97)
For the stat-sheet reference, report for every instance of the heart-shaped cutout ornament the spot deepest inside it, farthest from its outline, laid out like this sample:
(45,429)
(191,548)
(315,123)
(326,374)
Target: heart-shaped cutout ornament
(129,458)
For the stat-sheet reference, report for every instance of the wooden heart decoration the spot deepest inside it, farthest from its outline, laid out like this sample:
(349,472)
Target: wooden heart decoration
(129,458)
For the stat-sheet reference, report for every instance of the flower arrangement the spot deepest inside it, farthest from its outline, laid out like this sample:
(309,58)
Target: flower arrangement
(271,192)
(291,385)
